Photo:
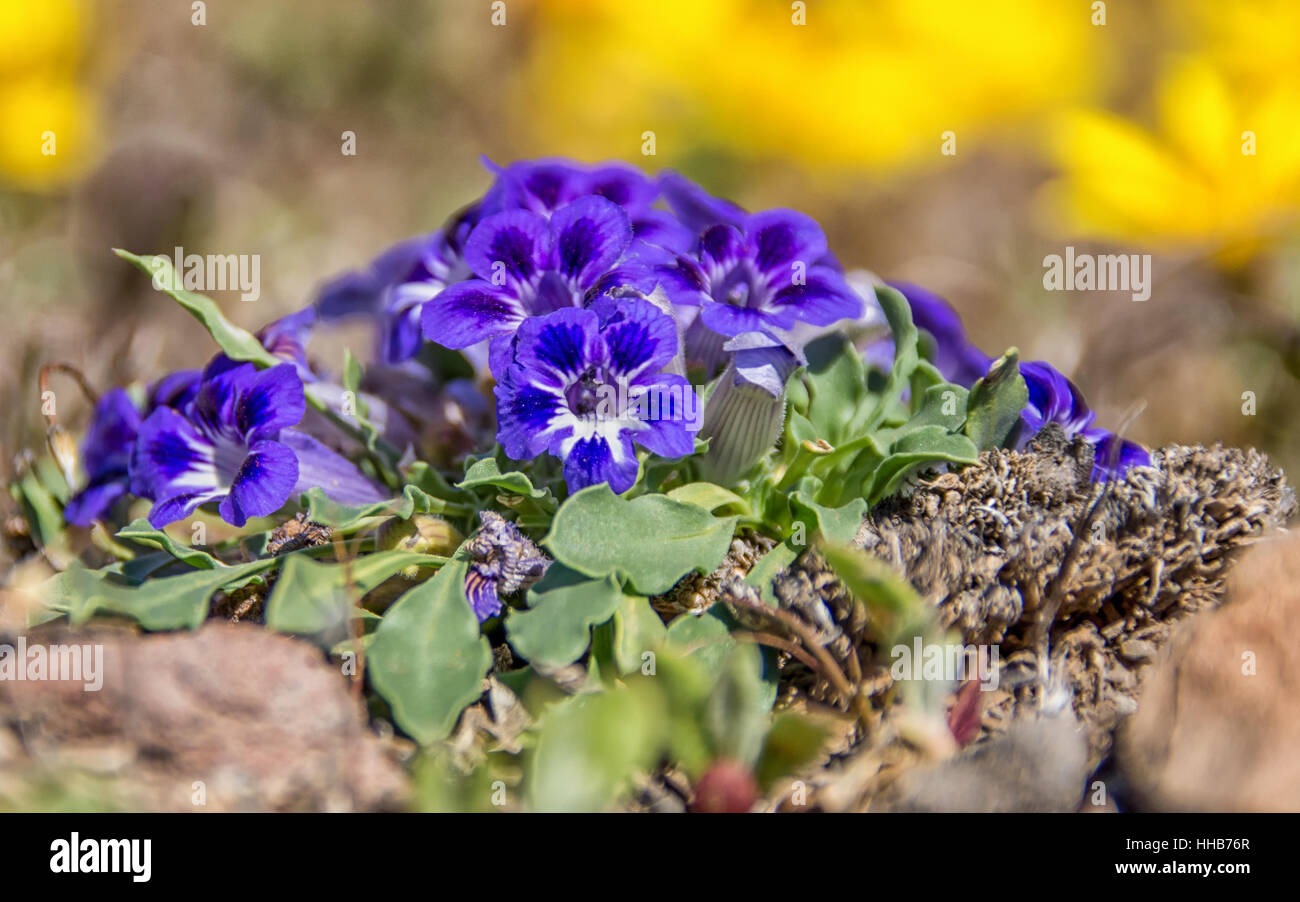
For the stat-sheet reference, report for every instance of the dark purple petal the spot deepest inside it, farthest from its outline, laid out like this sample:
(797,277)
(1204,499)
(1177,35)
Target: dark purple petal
(287,337)
(114,423)
(721,248)
(508,248)
(560,346)
(640,339)
(822,299)
(536,185)
(357,293)
(223,383)
(178,507)
(273,400)
(171,458)
(401,336)
(684,282)
(1053,399)
(469,312)
(591,461)
(662,229)
(263,484)
(781,238)
(175,390)
(590,235)
(1111,462)
(554,292)
(695,207)
(622,184)
(325,468)
(726,319)
(524,414)
(500,354)
(95,500)
(481,592)
(671,416)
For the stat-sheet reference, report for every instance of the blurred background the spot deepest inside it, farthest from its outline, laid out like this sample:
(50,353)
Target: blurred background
(948,143)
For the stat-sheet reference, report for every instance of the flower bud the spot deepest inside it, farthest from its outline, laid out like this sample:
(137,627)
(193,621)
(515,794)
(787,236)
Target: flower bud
(743,416)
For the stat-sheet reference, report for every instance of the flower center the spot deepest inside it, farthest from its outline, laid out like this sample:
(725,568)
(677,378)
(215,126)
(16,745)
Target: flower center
(585,394)
(227,458)
(739,288)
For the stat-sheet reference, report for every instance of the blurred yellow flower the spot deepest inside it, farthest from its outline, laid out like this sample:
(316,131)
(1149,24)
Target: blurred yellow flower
(859,85)
(47,115)
(39,34)
(1221,169)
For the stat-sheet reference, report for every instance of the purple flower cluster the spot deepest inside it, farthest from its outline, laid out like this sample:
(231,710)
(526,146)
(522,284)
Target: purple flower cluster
(1052,397)
(576,283)
(223,435)
(586,292)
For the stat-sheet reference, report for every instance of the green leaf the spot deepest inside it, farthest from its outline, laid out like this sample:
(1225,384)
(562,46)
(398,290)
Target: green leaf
(311,597)
(705,638)
(898,313)
(941,405)
(238,343)
(921,447)
(563,607)
(486,473)
(427,658)
(168,603)
(637,630)
(140,531)
(360,414)
(839,524)
(996,402)
(836,383)
(590,746)
(736,712)
(708,496)
(792,742)
(345,518)
(652,541)
(41,509)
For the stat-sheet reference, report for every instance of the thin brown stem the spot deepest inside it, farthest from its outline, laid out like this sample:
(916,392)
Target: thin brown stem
(43,380)
(783,644)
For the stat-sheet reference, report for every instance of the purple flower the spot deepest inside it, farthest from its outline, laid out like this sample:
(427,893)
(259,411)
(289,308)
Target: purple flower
(1055,399)
(760,276)
(175,390)
(527,265)
(440,264)
(110,440)
(396,286)
(106,451)
(502,561)
(585,385)
(1052,397)
(544,186)
(232,444)
(1110,461)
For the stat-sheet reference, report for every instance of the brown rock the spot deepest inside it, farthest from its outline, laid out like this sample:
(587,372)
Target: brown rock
(261,720)
(1209,734)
